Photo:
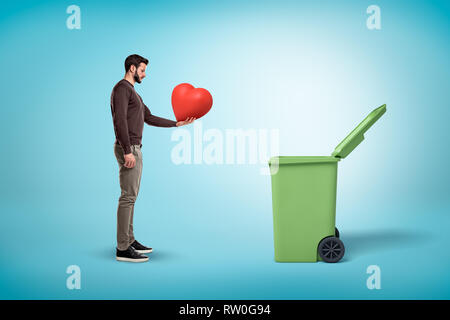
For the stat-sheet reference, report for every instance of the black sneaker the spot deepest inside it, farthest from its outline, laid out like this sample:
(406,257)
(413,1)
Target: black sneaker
(141,248)
(130,255)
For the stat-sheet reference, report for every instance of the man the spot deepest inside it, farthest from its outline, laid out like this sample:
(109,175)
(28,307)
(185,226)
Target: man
(129,114)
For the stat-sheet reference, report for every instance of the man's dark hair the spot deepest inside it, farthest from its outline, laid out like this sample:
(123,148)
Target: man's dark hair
(134,60)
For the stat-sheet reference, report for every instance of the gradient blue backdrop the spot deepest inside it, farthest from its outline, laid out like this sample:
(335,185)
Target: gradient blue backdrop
(310,69)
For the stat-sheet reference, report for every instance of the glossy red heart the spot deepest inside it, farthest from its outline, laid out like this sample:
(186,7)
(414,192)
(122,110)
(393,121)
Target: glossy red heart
(188,101)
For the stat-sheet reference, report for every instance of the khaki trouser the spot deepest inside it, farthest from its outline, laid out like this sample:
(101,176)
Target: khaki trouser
(130,180)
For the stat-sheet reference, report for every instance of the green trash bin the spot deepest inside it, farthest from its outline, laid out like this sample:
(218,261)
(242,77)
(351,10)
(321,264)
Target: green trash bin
(304,201)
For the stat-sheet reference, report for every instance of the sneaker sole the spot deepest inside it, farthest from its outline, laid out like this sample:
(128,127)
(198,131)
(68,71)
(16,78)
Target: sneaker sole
(144,251)
(131,260)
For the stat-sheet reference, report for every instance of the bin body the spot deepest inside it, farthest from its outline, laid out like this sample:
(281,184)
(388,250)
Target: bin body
(304,205)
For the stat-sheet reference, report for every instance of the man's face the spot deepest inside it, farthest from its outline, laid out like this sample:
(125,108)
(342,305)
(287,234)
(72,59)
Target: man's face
(139,74)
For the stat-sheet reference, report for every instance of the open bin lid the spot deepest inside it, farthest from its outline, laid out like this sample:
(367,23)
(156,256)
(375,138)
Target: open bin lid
(357,135)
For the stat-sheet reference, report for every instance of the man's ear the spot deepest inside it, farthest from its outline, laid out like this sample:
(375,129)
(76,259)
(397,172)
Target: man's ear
(133,68)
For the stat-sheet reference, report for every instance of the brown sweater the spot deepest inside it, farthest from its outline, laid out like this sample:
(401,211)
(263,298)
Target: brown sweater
(129,114)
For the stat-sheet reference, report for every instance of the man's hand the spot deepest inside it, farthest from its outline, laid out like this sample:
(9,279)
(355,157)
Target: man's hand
(185,122)
(130,161)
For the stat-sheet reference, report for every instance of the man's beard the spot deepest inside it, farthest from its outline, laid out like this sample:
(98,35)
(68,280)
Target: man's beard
(136,77)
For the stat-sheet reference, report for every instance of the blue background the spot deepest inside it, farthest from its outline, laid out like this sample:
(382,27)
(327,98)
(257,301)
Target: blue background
(313,70)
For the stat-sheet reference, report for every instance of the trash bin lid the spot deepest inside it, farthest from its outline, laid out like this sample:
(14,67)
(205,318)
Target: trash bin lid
(357,135)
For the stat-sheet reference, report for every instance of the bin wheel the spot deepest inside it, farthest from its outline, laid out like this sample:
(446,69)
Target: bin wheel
(336,232)
(331,249)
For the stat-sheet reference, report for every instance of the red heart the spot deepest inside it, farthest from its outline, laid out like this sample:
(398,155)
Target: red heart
(188,101)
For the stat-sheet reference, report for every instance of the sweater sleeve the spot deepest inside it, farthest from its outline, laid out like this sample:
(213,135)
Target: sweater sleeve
(119,109)
(152,120)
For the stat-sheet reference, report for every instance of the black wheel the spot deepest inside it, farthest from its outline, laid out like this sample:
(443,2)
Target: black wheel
(336,232)
(331,249)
